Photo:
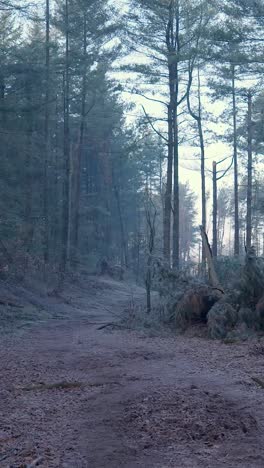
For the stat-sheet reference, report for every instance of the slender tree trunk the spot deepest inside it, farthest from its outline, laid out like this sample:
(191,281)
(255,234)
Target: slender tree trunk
(76,209)
(202,151)
(56,209)
(168,192)
(29,226)
(236,205)
(122,229)
(151,232)
(201,138)
(176,204)
(66,151)
(249,175)
(171,112)
(214,248)
(198,118)
(46,131)
(176,201)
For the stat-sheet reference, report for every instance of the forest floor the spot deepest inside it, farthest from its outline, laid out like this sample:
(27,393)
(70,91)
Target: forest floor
(73,395)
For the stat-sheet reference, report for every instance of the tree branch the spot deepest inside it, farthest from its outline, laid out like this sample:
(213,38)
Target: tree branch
(152,126)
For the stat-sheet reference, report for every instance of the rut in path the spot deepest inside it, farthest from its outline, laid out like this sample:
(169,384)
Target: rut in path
(76,396)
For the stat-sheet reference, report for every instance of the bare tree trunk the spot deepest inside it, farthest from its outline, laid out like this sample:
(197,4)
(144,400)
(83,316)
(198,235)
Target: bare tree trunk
(76,208)
(151,214)
(56,211)
(214,249)
(29,226)
(249,175)
(202,151)
(171,131)
(176,200)
(66,151)
(122,229)
(176,204)
(168,192)
(236,206)
(46,131)
(198,118)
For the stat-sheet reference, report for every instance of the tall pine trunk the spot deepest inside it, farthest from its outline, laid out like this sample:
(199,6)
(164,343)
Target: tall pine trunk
(56,207)
(249,175)
(46,136)
(176,204)
(168,192)
(76,206)
(202,152)
(66,151)
(29,226)
(197,116)
(214,247)
(176,201)
(236,205)
(124,257)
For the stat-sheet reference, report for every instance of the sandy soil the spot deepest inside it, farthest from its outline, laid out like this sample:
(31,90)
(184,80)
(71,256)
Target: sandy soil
(75,396)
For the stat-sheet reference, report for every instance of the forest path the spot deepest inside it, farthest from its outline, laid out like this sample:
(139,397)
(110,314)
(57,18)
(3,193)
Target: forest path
(81,397)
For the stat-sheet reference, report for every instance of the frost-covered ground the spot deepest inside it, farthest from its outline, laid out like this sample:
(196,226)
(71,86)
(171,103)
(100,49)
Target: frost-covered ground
(73,395)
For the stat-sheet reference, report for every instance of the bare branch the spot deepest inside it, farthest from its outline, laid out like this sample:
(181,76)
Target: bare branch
(152,126)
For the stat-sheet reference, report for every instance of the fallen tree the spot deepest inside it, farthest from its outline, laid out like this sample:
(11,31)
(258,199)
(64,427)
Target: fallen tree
(236,310)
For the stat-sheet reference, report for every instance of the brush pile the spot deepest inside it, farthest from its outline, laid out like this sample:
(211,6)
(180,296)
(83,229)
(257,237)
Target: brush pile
(237,311)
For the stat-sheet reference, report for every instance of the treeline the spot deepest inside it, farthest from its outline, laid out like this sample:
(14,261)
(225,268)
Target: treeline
(76,177)
(197,53)
(70,188)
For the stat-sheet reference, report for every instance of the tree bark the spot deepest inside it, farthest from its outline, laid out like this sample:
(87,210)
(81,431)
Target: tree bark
(213,278)
(249,175)
(214,249)
(176,201)
(121,223)
(29,227)
(202,151)
(198,118)
(46,131)
(76,208)
(168,192)
(66,151)
(236,204)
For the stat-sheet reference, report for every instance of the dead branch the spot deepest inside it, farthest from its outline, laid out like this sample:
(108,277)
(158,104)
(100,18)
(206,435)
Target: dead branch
(110,324)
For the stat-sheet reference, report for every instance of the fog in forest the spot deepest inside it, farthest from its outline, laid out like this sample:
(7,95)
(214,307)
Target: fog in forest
(131,233)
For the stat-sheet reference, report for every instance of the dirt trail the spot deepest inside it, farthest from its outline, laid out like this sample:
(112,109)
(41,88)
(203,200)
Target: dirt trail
(81,397)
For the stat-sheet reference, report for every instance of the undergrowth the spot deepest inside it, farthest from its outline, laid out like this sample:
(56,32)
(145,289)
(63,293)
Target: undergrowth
(155,323)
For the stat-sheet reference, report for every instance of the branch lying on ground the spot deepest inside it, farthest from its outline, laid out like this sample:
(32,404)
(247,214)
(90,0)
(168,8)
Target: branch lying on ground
(111,324)
(8,302)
